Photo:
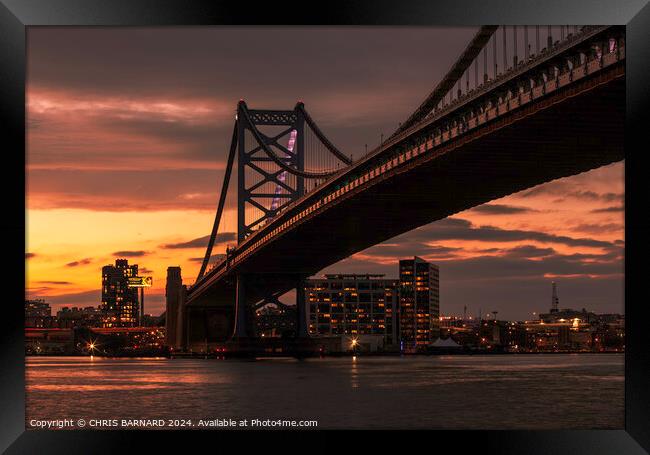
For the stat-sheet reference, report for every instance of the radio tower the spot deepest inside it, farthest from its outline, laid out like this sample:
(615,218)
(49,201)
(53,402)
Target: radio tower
(554,300)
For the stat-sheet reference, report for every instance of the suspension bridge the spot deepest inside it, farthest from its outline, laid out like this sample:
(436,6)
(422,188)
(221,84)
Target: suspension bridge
(521,106)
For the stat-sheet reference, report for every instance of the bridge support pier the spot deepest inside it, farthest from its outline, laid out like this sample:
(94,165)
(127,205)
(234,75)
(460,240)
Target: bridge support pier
(302,329)
(241,310)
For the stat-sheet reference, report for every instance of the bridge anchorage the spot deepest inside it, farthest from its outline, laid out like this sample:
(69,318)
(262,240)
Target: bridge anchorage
(554,110)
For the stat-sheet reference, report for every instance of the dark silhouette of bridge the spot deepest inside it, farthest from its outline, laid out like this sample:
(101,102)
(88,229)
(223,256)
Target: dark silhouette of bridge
(531,117)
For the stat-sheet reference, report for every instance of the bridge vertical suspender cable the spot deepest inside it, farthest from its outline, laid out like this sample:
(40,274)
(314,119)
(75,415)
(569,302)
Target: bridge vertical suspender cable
(505,50)
(485,66)
(526,46)
(494,55)
(514,43)
(222,201)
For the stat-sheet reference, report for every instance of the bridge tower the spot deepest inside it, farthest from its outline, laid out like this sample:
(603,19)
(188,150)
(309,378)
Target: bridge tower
(251,156)
(270,189)
(269,146)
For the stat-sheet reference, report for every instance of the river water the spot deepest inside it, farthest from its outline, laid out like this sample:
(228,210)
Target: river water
(538,391)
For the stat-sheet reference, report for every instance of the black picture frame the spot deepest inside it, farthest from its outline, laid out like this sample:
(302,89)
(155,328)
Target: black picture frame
(16,15)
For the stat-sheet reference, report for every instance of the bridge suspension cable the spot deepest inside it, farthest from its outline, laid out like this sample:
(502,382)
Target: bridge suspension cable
(326,142)
(222,201)
(281,162)
(524,82)
(451,89)
(452,76)
(305,144)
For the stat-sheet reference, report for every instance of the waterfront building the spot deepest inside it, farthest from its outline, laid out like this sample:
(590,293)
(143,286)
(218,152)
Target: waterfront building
(419,303)
(275,321)
(561,334)
(49,341)
(569,314)
(119,302)
(350,305)
(38,313)
(90,316)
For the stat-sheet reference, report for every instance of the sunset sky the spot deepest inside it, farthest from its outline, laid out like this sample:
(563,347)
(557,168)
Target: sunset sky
(128,131)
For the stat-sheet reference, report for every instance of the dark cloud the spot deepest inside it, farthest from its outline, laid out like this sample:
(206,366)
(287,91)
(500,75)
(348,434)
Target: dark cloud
(137,190)
(79,262)
(568,190)
(216,257)
(30,255)
(508,268)
(528,251)
(598,228)
(144,270)
(191,61)
(336,71)
(501,209)
(202,242)
(63,283)
(460,229)
(612,209)
(593,196)
(419,242)
(442,250)
(130,254)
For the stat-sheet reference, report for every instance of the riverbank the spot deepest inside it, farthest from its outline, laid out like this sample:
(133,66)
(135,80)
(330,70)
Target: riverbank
(222,355)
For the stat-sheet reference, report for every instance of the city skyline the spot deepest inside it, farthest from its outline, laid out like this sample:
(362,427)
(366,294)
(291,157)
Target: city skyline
(130,164)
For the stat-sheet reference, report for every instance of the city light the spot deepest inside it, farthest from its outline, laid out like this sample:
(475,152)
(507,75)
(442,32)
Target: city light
(92,346)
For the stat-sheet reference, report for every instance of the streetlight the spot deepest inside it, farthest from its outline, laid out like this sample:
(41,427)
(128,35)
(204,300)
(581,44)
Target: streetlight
(92,345)
(353,344)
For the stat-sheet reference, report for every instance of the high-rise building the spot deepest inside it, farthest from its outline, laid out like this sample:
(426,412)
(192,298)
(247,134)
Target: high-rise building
(353,304)
(172,294)
(119,302)
(555,301)
(419,303)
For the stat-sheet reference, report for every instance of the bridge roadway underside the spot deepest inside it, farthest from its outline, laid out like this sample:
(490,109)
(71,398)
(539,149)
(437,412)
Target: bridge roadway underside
(563,135)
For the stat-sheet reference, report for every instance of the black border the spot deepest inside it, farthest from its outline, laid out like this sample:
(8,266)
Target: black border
(15,15)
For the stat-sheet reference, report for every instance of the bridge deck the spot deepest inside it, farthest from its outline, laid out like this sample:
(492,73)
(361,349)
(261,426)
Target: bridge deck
(566,129)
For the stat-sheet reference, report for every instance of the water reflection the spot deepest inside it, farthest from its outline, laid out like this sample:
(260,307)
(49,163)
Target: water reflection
(480,392)
(354,373)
